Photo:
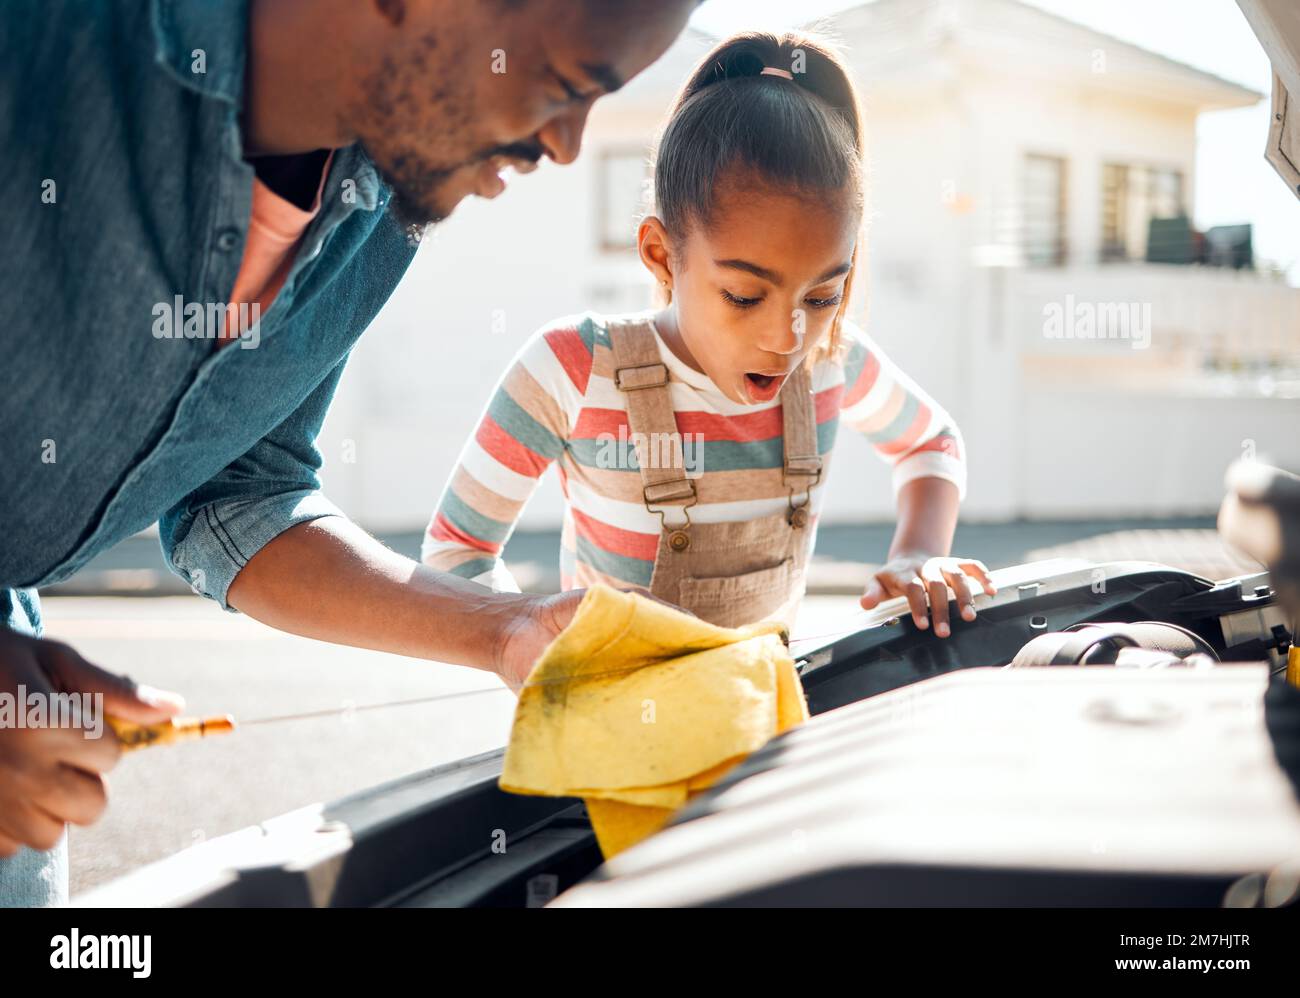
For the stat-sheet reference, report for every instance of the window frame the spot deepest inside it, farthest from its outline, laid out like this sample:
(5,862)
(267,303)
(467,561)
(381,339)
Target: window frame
(1061,251)
(605,157)
(1121,251)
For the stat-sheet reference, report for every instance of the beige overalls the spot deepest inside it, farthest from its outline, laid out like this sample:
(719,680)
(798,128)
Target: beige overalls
(725,573)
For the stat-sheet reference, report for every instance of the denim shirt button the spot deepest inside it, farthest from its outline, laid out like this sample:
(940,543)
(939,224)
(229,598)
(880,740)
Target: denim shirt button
(227,240)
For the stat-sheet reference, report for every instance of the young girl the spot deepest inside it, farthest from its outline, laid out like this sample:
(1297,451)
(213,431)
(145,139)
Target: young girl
(693,441)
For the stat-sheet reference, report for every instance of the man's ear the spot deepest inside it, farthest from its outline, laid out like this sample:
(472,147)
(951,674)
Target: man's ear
(652,246)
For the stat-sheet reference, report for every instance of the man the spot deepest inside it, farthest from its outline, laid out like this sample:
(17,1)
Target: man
(170,158)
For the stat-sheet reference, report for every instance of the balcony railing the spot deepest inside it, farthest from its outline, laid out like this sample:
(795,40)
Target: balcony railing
(1158,326)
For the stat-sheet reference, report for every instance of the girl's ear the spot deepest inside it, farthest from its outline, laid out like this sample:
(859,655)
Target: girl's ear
(652,246)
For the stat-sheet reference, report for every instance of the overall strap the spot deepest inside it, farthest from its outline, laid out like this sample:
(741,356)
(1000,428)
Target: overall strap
(641,375)
(802,463)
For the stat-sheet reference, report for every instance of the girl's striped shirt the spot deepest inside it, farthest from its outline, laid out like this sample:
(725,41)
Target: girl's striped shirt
(557,403)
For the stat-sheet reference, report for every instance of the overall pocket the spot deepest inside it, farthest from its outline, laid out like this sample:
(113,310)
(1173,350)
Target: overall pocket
(733,600)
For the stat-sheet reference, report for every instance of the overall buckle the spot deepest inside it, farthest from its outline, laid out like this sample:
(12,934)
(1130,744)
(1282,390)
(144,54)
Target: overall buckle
(683,488)
(631,379)
(807,467)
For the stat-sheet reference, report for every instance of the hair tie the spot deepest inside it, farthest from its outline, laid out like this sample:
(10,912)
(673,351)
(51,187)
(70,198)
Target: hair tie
(774,71)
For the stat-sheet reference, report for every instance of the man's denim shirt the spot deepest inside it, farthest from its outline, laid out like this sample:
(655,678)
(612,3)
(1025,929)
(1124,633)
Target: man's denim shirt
(125,188)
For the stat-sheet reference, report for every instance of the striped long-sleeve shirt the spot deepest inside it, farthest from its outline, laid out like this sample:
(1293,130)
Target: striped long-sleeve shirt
(557,403)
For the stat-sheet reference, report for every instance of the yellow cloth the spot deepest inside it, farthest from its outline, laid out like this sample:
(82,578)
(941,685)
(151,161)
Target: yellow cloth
(636,707)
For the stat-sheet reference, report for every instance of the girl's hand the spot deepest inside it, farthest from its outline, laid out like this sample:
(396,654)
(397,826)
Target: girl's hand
(917,577)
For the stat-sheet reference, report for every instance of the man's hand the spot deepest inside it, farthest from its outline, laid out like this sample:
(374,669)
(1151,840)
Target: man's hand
(917,577)
(537,624)
(329,580)
(50,776)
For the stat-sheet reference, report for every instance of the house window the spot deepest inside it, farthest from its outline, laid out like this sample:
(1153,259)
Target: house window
(1131,196)
(1044,211)
(620,192)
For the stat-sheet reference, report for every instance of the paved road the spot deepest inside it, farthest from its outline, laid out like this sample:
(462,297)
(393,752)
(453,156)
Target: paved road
(166,799)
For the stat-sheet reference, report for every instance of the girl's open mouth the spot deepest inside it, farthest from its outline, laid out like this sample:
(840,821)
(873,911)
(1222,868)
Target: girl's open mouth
(763,387)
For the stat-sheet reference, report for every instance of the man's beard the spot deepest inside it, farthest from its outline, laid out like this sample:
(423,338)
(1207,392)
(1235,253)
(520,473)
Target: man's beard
(393,127)
(418,185)
(415,203)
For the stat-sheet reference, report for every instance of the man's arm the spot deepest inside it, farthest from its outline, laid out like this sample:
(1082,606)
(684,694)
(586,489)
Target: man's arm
(260,537)
(329,579)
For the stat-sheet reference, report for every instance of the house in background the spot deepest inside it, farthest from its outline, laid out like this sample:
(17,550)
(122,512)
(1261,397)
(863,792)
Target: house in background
(1017,163)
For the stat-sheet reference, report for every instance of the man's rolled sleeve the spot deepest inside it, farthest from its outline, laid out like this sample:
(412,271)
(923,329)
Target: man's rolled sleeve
(211,534)
(223,537)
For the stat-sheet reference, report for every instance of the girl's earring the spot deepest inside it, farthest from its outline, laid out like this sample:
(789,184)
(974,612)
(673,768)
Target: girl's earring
(668,291)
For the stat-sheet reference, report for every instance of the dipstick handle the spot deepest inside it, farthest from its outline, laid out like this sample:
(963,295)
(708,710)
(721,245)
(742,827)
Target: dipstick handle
(178,729)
